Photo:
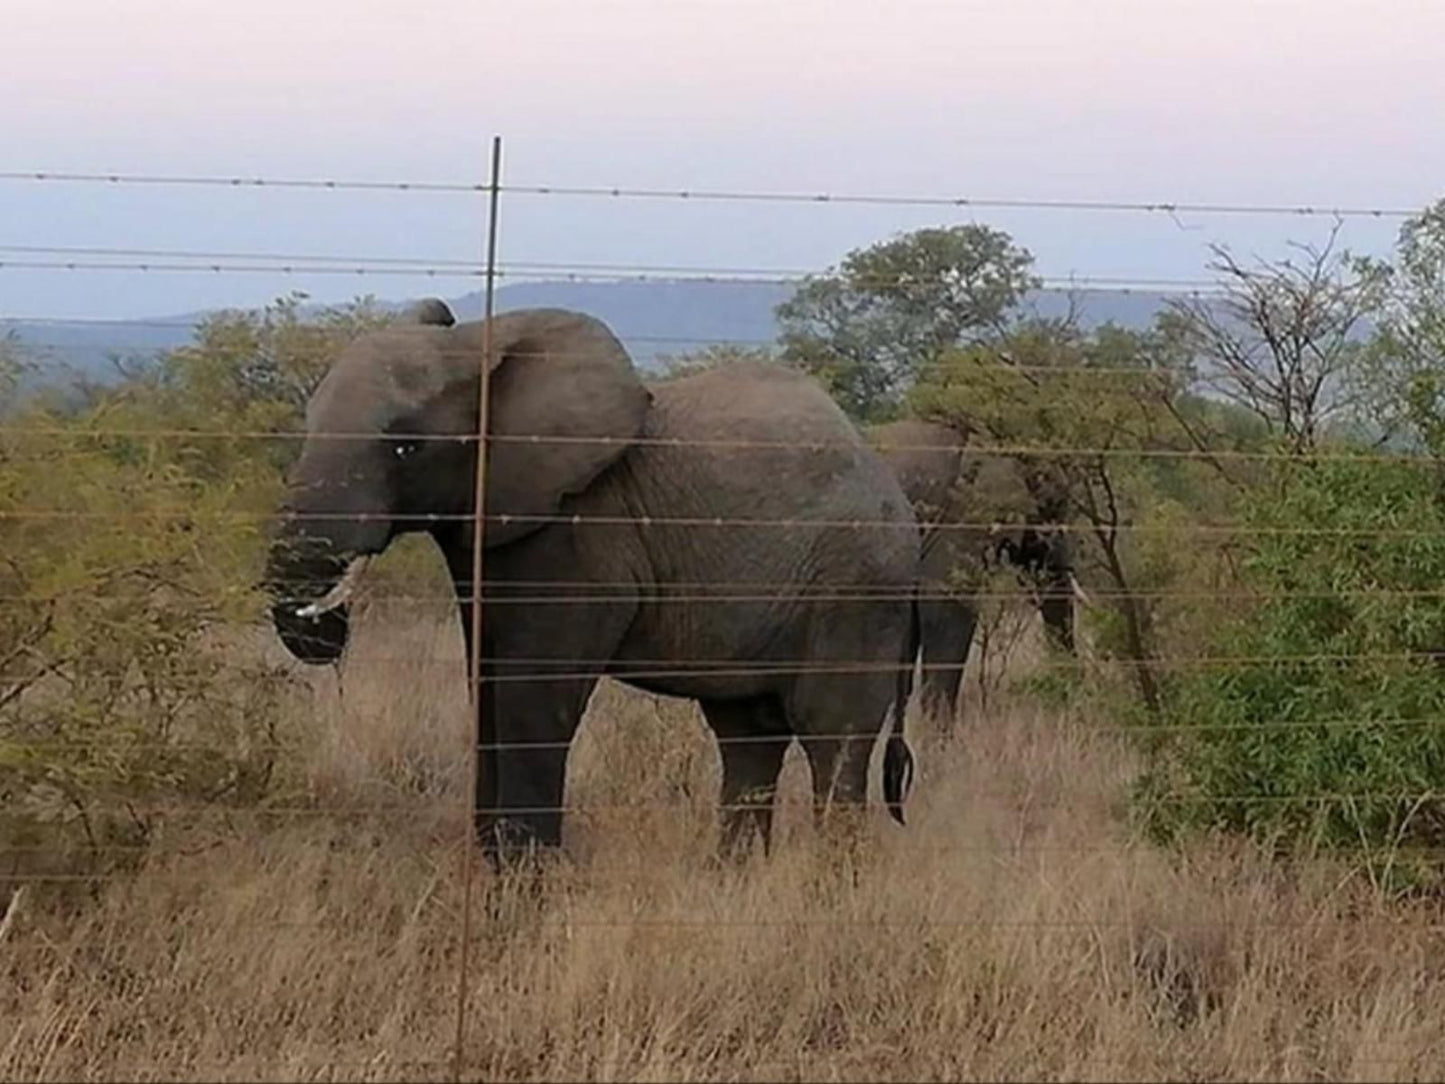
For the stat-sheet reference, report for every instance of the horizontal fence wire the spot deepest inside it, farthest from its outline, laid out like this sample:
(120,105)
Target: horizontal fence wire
(1180,286)
(124,351)
(543,269)
(1166,207)
(86,431)
(643,872)
(124,745)
(722,592)
(381,811)
(658,670)
(422,521)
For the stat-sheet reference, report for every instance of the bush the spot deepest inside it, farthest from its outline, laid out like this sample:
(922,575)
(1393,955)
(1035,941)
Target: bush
(132,683)
(124,684)
(1321,722)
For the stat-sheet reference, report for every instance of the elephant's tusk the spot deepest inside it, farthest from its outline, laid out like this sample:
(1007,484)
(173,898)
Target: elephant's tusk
(339,594)
(1079,591)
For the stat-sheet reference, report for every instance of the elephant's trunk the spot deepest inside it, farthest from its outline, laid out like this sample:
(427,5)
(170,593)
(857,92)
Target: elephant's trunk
(313,568)
(301,575)
(1056,606)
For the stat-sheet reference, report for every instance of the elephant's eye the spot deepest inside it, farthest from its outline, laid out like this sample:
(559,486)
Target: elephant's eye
(404,449)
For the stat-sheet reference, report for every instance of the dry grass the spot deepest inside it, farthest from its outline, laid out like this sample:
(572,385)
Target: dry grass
(1012,931)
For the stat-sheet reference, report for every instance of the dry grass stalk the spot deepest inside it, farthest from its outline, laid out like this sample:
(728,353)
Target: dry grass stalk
(1013,931)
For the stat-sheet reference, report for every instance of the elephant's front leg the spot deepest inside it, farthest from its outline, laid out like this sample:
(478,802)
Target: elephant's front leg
(526,725)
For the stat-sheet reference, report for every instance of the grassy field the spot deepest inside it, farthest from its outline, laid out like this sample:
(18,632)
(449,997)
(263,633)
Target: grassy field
(1012,931)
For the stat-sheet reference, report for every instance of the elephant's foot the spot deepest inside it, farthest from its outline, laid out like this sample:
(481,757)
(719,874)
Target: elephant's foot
(941,709)
(511,845)
(846,831)
(744,830)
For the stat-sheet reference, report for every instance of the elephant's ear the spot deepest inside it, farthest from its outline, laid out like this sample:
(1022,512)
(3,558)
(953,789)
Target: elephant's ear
(432,312)
(565,403)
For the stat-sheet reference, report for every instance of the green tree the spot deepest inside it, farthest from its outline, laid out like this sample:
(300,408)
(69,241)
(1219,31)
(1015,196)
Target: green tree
(13,366)
(872,325)
(1404,375)
(1086,415)
(248,373)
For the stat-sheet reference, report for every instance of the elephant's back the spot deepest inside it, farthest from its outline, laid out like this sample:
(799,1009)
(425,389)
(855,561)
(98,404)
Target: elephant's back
(767,513)
(769,441)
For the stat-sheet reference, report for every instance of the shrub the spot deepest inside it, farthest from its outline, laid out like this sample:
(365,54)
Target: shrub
(1320,722)
(124,685)
(131,548)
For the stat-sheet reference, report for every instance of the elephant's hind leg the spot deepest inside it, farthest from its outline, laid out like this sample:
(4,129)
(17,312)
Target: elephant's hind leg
(839,764)
(838,718)
(947,627)
(753,736)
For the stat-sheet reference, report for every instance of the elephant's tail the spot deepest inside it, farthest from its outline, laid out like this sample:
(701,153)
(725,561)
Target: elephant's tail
(897,757)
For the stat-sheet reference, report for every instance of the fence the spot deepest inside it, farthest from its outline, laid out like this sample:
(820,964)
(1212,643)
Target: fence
(24,669)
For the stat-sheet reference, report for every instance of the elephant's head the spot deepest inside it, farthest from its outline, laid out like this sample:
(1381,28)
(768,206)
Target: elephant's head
(1040,549)
(390,447)
(1012,510)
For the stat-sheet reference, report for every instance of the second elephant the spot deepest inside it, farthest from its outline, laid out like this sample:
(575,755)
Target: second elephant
(953,495)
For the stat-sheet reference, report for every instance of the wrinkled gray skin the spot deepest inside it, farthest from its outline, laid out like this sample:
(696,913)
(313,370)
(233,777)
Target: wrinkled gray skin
(929,462)
(570,600)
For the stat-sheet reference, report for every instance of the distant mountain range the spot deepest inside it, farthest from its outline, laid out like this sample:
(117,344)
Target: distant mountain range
(653,319)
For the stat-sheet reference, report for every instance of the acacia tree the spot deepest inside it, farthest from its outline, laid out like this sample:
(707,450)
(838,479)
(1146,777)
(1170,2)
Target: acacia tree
(1282,338)
(869,327)
(1087,416)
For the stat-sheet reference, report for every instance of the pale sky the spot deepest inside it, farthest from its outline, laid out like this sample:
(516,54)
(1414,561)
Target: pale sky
(1320,102)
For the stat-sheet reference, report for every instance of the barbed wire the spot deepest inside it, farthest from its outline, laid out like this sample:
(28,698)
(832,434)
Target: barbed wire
(1087,730)
(626,271)
(85,431)
(421,521)
(1165,207)
(782,591)
(1413,797)
(967,365)
(628,670)
(1193,287)
(642,872)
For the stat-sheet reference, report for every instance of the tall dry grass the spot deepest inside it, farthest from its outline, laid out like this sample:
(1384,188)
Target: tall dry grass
(1013,931)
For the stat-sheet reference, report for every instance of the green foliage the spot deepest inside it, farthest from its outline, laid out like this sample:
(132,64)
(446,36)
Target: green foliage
(13,366)
(1090,420)
(871,327)
(132,535)
(1323,724)
(1404,372)
(248,373)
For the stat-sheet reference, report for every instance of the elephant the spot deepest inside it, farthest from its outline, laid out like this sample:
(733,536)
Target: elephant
(686,537)
(946,486)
